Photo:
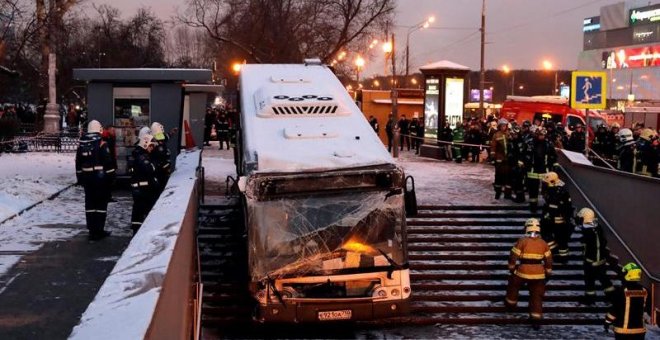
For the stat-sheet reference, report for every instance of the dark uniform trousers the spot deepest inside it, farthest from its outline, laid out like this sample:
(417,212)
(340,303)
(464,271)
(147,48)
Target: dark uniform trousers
(518,182)
(597,271)
(144,198)
(96,207)
(533,183)
(502,178)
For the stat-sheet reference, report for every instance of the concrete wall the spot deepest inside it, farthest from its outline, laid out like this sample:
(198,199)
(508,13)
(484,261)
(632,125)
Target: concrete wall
(99,103)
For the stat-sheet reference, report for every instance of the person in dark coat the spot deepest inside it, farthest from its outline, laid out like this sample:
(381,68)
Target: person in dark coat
(144,183)
(414,137)
(95,171)
(374,123)
(389,130)
(595,255)
(404,137)
(447,135)
(578,139)
(222,129)
(628,303)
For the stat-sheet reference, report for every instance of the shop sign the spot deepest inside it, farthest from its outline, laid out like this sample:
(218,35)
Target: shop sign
(591,24)
(645,15)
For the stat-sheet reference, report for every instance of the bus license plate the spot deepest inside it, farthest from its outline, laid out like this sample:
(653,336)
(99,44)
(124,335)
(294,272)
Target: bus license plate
(345,314)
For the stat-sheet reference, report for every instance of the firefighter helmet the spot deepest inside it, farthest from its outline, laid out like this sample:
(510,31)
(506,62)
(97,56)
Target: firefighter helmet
(616,125)
(552,179)
(587,215)
(502,121)
(648,134)
(632,272)
(146,141)
(532,225)
(145,130)
(94,127)
(157,130)
(625,135)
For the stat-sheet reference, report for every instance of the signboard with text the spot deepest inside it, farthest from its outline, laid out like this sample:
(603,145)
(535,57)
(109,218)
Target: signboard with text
(454,101)
(589,90)
(645,15)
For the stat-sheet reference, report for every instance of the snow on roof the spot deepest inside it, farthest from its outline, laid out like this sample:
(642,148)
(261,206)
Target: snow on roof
(125,305)
(444,65)
(540,99)
(299,118)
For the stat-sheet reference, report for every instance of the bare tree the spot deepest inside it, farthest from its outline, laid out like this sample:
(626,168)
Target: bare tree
(288,30)
(189,47)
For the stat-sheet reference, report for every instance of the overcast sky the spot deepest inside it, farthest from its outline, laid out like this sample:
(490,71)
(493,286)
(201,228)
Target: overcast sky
(520,33)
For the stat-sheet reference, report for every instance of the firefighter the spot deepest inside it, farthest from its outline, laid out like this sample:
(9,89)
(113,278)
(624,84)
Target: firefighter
(144,184)
(95,171)
(540,157)
(530,262)
(160,156)
(647,147)
(499,153)
(458,137)
(595,256)
(556,228)
(517,164)
(577,140)
(627,151)
(628,302)
(612,142)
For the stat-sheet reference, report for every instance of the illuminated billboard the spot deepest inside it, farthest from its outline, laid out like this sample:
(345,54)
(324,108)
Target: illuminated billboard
(591,24)
(632,57)
(645,15)
(454,101)
(488,95)
(431,103)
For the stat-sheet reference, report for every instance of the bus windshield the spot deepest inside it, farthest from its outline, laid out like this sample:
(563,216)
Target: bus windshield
(325,234)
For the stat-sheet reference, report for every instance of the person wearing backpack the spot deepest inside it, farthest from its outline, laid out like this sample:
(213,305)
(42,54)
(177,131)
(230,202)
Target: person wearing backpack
(95,171)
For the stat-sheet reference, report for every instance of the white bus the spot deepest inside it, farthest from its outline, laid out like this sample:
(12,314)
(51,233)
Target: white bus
(323,199)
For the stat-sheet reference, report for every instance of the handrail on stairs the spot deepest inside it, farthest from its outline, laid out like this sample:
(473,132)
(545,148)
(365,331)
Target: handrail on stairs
(655,281)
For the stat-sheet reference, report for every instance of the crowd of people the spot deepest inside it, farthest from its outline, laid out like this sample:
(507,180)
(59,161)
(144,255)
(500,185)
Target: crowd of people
(149,166)
(221,121)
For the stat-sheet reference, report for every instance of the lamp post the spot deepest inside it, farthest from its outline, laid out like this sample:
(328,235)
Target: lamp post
(547,65)
(423,24)
(359,64)
(507,70)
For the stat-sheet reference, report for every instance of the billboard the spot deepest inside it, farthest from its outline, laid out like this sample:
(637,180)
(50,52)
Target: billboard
(474,95)
(431,103)
(591,24)
(647,56)
(454,100)
(589,90)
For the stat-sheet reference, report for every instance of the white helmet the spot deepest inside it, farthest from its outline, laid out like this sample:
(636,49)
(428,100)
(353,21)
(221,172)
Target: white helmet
(94,127)
(145,141)
(625,135)
(502,121)
(587,215)
(157,130)
(145,130)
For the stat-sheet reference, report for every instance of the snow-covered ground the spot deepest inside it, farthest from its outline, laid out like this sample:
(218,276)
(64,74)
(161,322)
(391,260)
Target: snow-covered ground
(31,177)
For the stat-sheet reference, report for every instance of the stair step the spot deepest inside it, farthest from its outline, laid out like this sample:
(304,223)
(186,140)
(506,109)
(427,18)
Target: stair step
(502,309)
(465,247)
(475,214)
(490,276)
(472,207)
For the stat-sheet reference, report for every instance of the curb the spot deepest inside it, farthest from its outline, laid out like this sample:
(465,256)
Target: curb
(37,203)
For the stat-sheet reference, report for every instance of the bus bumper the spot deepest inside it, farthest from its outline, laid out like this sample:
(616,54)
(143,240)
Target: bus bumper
(328,312)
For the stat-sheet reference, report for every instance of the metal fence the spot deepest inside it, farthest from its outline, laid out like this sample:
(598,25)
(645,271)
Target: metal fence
(60,142)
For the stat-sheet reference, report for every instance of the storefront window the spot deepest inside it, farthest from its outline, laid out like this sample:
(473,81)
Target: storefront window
(132,108)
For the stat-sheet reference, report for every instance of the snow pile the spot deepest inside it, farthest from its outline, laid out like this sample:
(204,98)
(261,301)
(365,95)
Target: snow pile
(449,183)
(124,306)
(28,178)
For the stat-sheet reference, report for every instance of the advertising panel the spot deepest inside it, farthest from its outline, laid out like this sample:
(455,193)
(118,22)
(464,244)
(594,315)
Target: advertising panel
(474,95)
(431,103)
(632,57)
(591,24)
(454,101)
(589,90)
(565,91)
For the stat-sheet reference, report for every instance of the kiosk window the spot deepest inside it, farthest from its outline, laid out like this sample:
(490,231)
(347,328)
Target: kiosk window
(131,111)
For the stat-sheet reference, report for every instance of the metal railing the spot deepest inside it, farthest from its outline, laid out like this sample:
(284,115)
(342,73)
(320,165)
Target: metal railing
(61,142)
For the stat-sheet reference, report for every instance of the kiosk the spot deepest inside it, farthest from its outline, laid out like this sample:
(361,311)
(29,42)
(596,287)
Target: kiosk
(129,99)
(445,89)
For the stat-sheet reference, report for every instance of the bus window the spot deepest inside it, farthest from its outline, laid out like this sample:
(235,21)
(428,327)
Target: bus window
(571,121)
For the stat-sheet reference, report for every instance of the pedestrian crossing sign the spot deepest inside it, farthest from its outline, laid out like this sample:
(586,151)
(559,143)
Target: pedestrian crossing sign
(589,90)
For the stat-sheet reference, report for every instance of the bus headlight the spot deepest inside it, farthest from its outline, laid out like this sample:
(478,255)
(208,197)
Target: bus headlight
(395,292)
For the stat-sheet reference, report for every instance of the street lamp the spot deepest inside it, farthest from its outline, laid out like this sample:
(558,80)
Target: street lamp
(376,84)
(423,24)
(507,70)
(547,65)
(236,67)
(359,64)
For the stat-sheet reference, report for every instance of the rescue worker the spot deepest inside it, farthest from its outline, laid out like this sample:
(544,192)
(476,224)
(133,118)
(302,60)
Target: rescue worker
(628,302)
(552,134)
(144,184)
(627,151)
(160,156)
(517,164)
(499,153)
(561,131)
(209,118)
(530,263)
(612,143)
(577,140)
(474,136)
(647,148)
(599,145)
(540,157)
(595,256)
(95,171)
(458,137)
(556,228)
(222,130)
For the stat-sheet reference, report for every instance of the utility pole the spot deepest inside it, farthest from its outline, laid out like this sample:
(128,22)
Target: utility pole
(482,72)
(395,110)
